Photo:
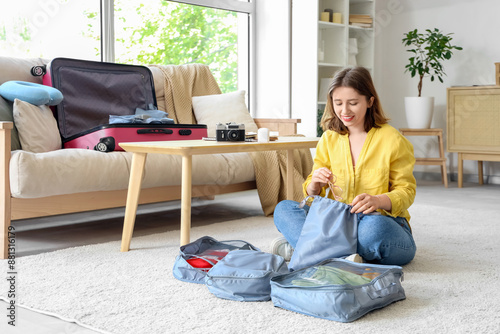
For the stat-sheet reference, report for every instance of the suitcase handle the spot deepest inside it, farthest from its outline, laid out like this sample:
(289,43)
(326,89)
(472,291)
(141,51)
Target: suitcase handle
(155,131)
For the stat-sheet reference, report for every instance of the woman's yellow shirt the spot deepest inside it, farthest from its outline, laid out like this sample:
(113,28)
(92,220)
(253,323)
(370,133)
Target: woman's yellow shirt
(384,166)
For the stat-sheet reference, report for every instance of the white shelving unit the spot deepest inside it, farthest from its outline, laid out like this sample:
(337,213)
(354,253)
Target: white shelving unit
(310,36)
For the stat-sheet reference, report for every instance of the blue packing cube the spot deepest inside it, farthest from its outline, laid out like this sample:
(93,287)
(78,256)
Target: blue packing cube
(338,289)
(245,275)
(196,258)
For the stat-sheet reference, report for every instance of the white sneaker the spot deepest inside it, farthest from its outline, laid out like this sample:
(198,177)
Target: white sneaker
(280,246)
(355,258)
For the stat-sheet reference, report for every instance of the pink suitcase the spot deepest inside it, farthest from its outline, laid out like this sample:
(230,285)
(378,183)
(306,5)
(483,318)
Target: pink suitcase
(95,90)
(105,138)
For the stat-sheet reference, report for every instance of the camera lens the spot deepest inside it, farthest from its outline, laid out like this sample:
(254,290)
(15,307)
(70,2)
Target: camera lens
(232,135)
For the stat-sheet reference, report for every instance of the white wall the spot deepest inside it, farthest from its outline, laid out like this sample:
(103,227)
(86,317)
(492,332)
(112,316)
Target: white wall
(272,64)
(476,27)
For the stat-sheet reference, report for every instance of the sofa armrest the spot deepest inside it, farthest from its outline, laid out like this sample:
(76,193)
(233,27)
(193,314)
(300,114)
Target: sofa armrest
(6,125)
(5,129)
(5,141)
(285,126)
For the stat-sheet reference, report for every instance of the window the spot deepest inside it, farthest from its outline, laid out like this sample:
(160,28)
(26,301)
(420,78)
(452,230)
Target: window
(48,29)
(211,32)
(167,32)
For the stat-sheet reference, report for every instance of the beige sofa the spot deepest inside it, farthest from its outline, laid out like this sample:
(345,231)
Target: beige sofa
(76,180)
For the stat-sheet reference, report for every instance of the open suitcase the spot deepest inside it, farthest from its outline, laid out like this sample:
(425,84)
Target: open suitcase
(95,90)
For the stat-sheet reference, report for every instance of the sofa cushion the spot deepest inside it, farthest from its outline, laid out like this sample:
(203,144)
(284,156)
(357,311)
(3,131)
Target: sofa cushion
(19,69)
(37,127)
(66,171)
(223,108)
(214,169)
(6,114)
(69,171)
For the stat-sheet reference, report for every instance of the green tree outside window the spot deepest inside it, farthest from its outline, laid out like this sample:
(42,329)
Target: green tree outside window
(170,33)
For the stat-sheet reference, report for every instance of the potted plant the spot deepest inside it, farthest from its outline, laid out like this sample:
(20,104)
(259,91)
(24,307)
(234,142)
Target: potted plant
(428,51)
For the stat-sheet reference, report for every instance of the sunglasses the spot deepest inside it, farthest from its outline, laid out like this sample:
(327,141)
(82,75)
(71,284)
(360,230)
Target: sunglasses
(336,190)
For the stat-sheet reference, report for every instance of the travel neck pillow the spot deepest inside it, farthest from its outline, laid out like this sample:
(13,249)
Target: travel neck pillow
(31,92)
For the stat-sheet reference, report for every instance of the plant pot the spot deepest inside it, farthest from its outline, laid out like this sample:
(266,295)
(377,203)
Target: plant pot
(419,111)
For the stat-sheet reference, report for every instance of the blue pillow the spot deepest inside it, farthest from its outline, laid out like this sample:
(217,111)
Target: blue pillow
(30,92)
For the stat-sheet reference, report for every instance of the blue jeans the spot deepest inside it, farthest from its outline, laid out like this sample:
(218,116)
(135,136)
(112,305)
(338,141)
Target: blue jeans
(381,239)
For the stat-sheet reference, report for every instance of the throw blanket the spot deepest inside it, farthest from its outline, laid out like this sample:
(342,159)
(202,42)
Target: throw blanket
(182,82)
(270,176)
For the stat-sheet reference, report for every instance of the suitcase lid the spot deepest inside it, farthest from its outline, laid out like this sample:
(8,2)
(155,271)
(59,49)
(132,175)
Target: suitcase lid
(94,90)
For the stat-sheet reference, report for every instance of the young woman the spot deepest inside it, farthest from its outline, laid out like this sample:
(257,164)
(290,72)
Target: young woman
(371,165)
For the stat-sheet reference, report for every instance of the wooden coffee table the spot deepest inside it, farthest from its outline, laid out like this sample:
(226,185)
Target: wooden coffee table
(186,149)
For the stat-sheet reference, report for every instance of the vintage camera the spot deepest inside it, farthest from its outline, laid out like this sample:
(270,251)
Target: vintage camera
(230,132)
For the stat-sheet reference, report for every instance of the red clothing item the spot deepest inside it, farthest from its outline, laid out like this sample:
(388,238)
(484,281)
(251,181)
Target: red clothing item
(207,259)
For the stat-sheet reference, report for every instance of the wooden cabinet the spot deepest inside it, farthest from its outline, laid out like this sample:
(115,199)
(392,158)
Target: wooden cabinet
(473,125)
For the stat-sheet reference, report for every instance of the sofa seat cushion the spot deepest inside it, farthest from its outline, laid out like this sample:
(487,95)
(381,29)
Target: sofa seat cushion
(69,171)
(216,169)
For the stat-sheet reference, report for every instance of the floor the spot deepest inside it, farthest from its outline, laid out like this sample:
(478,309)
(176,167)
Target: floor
(43,235)
(52,233)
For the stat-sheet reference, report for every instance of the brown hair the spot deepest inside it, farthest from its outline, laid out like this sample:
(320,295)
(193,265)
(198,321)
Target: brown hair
(358,78)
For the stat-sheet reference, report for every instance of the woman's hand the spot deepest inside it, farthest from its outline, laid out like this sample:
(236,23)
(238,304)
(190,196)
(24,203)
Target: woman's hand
(319,179)
(365,203)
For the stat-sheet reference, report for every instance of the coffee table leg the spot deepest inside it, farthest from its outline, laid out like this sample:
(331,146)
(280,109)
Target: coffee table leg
(134,189)
(187,166)
(289,174)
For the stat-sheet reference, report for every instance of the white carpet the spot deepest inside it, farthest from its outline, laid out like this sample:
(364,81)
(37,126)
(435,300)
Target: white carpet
(452,286)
